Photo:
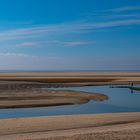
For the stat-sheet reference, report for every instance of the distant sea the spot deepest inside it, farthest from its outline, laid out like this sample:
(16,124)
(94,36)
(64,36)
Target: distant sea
(69,70)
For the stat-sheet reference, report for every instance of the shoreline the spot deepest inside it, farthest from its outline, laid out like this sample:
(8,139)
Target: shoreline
(60,127)
(22,90)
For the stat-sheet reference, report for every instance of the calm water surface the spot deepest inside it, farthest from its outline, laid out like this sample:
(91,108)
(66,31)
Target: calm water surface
(120,100)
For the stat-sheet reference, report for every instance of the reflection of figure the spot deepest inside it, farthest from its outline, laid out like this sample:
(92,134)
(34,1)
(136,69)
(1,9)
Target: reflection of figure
(132,91)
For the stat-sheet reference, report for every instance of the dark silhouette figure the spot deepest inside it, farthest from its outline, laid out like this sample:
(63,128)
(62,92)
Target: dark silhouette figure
(132,87)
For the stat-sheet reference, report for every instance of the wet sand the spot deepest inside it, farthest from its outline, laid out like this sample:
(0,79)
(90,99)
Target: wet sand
(100,126)
(21,98)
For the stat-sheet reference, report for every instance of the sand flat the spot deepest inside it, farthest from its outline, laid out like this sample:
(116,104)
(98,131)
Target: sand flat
(69,126)
(69,77)
(21,98)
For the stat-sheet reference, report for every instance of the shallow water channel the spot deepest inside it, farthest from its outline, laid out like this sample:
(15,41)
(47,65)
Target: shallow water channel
(120,100)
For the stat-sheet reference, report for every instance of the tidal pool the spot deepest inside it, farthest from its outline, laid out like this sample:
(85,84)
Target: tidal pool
(120,100)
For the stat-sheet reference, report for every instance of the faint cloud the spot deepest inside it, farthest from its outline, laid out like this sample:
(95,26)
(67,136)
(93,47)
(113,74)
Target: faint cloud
(126,8)
(52,33)
(8,54)
(62,29)
(122,16)
(111,24)
(78,43)
(127,12)
(26,44)
(54,43)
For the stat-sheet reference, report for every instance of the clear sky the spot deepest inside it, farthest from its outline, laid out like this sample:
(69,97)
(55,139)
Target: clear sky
(69,34)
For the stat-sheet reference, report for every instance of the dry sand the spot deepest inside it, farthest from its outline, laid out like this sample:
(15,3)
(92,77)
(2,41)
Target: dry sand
(72,77)
(113,126)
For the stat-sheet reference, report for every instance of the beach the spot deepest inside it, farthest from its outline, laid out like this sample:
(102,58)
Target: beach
(20,90)
(100,126)
(69,70)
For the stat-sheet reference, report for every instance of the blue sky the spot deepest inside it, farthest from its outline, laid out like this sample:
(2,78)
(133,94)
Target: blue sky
(70,35)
